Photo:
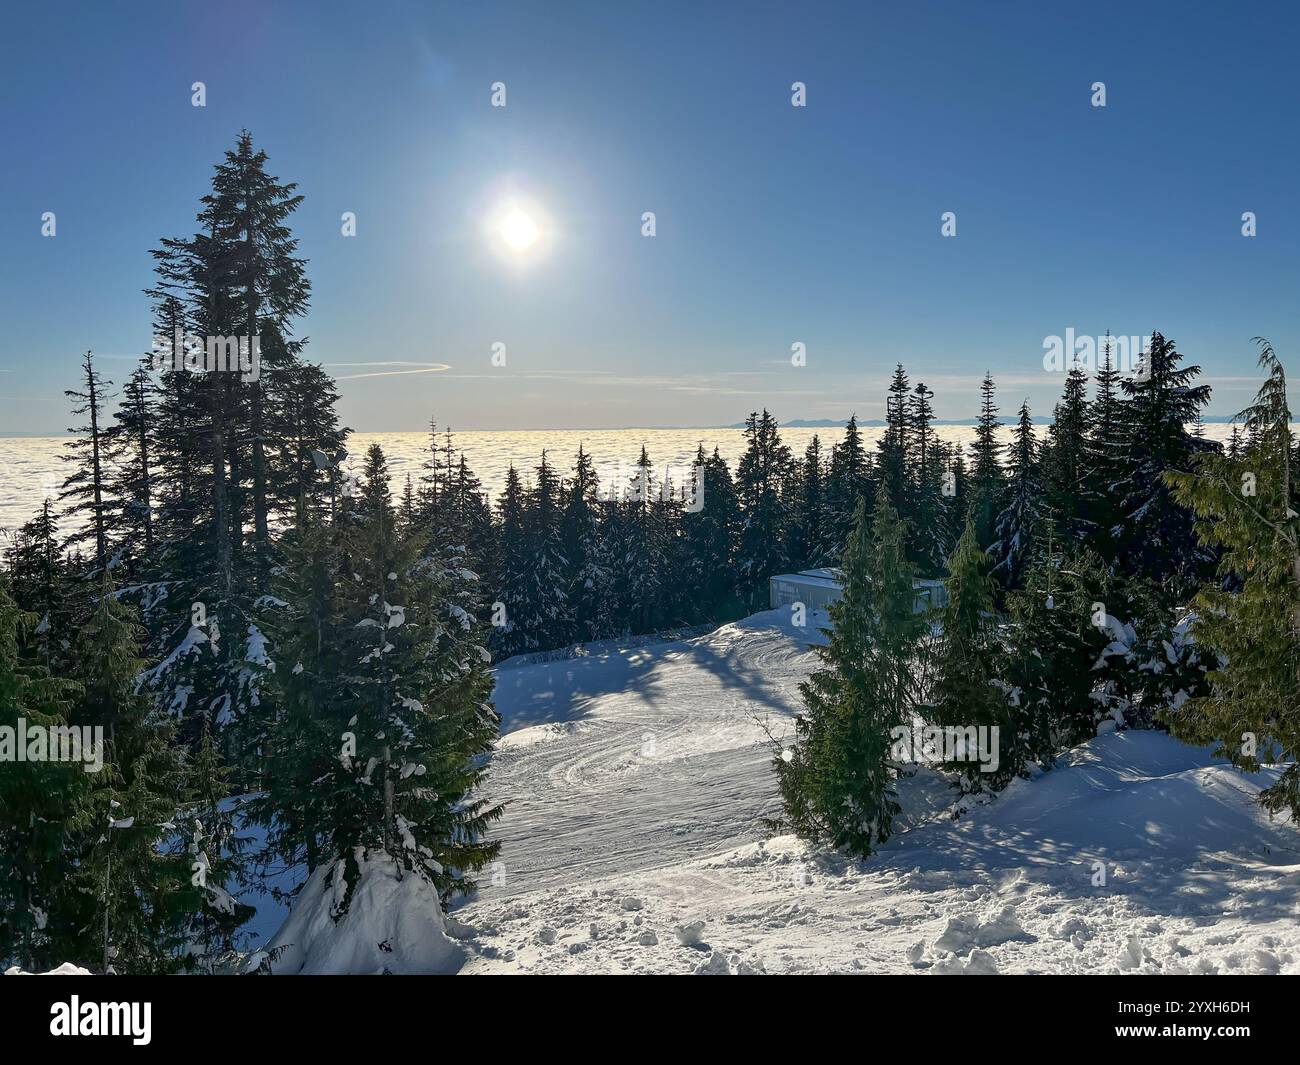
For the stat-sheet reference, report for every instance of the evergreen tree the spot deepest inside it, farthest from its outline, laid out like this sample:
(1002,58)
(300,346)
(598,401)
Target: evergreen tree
(246,213)
(1055,645)
(987,479)
(847,480)
(580,536)
(1155,537)
(131,440)
(220,476)
(513,561)
(134,887)
(388,700)
(759,477)
(85,490)
(1019,519)
(929,536)
(837,781)
(1065,460)
(895,454)
(710,537)
(304,438)
(1245,509)
(641,567)
(40,585)
(43,804)
(1105,457)
(967,692)
(805,531)
(541,617)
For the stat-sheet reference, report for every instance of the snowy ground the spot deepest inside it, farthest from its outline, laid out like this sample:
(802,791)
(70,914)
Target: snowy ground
(637,778)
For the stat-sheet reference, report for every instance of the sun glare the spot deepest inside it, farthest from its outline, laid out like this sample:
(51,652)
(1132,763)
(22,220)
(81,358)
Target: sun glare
(518,230)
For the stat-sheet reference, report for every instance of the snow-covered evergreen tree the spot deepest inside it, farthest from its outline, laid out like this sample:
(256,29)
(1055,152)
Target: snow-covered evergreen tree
(848,479)
(1154,536)
(759,477)
(1065,460)
(512,568)
(710,539)
(385,687)
(987,478)
(1022,513)
(894,447)
(580,530)
(929,536)
(43,804)
(837,781)
(967,691)
(542,615)
(128,888)
(1056,641)
(1246,510)
(805,532)
(131,440)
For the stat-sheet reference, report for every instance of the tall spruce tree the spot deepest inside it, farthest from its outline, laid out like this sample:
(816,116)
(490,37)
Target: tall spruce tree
(44,804)
(894,447)
(967,691)
(580,535)
(759,477)
(710,537)
(929,538)
(1105,456)
(805,531)
(542,618)
(1016,524)
(246,212)
(848,479)
(1155,536)
(387,700)
(512,567)
(987,478)
(132,439)
(85,490)
(1246,511)
(837,781)
(132,891)
(1065,460)
(40,584)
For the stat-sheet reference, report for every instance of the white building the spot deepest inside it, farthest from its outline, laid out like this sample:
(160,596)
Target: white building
(818,588)
(815,588)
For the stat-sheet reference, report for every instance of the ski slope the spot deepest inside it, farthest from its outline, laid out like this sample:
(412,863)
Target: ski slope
(637,779)
(634,758)
(638,757)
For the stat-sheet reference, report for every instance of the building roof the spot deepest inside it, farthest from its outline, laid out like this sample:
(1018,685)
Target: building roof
(820,578)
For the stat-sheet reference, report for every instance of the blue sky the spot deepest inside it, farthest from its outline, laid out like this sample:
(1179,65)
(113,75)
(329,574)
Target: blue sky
(775,224)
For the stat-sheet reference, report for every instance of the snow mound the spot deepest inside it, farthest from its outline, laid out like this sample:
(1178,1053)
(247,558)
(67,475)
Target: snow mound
(393,925)
(963,933)
(690,935)
(66,969)
(720,964)
(978,963)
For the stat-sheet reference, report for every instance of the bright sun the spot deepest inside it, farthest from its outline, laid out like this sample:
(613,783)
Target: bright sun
(518,230)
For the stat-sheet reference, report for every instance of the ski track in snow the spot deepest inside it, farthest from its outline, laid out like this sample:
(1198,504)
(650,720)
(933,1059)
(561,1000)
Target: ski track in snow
(640,758)
(611,844)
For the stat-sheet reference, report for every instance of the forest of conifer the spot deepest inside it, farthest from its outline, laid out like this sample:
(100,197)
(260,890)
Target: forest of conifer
(291,657)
